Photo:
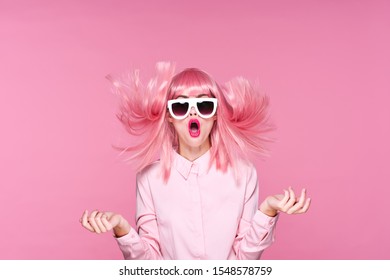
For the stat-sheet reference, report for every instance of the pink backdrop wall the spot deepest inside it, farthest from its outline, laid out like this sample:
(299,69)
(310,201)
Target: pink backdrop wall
(325,65)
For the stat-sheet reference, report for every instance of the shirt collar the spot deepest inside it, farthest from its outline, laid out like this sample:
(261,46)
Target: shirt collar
(185,167)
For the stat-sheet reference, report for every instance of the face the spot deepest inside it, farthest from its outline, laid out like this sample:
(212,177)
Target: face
(194,130)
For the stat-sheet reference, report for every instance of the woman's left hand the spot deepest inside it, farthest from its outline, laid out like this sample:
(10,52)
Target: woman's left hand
(287,203)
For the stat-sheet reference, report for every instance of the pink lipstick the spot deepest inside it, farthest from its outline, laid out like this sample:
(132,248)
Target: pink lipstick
(194,127)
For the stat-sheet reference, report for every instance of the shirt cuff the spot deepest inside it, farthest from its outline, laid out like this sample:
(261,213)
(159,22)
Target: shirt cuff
(264,221)
(129,239)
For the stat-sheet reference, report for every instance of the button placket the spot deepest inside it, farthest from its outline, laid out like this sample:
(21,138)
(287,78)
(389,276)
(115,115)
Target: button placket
(198,223)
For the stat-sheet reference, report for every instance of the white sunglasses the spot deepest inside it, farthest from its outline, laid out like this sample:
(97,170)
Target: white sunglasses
(181,107)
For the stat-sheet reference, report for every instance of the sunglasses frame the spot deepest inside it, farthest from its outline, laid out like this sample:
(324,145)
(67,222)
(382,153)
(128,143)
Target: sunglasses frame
(192,102)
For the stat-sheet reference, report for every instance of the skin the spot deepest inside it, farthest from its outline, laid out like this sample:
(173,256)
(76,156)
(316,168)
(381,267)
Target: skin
(192,148)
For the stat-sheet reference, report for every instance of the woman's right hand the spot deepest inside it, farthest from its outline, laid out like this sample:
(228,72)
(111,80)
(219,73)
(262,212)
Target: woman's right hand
(100,222)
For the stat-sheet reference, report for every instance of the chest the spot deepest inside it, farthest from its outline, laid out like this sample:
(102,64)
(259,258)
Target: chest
(210,196)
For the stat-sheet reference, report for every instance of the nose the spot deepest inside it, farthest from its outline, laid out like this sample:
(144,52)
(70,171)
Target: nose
(193,111)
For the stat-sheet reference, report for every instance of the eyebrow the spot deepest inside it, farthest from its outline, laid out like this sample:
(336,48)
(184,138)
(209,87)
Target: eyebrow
(199,95)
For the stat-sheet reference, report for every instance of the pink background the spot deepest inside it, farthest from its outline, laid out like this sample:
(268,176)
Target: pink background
(325,65)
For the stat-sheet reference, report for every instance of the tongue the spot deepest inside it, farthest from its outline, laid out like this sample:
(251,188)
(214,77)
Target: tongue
(194,130)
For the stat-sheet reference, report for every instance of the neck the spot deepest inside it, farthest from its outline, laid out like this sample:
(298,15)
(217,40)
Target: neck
(192,153)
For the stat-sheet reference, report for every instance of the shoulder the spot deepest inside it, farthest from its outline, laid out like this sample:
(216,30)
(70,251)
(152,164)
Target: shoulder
(151,171)
(246,169)
(243,173)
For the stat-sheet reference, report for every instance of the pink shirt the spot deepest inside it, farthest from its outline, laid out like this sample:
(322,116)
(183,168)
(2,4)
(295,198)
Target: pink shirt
(198,214)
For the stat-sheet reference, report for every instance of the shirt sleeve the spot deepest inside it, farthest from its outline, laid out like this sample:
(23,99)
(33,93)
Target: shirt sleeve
(142,244)
(256,230)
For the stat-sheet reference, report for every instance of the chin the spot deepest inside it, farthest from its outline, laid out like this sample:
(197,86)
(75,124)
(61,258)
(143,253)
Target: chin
(196,142)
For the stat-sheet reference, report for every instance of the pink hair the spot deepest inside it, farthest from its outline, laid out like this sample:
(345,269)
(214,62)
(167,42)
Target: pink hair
(238,133)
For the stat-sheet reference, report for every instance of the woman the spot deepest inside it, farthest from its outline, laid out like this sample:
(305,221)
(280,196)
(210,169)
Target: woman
(200,199)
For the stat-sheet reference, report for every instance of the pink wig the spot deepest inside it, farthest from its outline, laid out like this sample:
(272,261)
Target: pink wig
(239,133)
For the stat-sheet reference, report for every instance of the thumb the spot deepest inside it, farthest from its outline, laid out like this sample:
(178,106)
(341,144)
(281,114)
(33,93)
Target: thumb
(113,218)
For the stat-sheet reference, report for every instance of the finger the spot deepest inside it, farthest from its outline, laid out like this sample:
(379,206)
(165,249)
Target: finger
(84,221)
(291,201)
(98,220)
(85,214)
(92,222)
(306,206)
(108,215)
(299,205)
(106,223)
(301,199)
(285,198)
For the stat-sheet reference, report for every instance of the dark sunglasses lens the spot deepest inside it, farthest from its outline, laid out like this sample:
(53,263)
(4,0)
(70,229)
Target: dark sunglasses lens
(180,109)
(205,107)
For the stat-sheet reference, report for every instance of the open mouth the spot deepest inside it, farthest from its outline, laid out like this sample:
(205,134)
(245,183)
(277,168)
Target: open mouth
(194,127)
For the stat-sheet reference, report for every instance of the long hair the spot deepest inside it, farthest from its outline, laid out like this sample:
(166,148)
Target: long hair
(239,132)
